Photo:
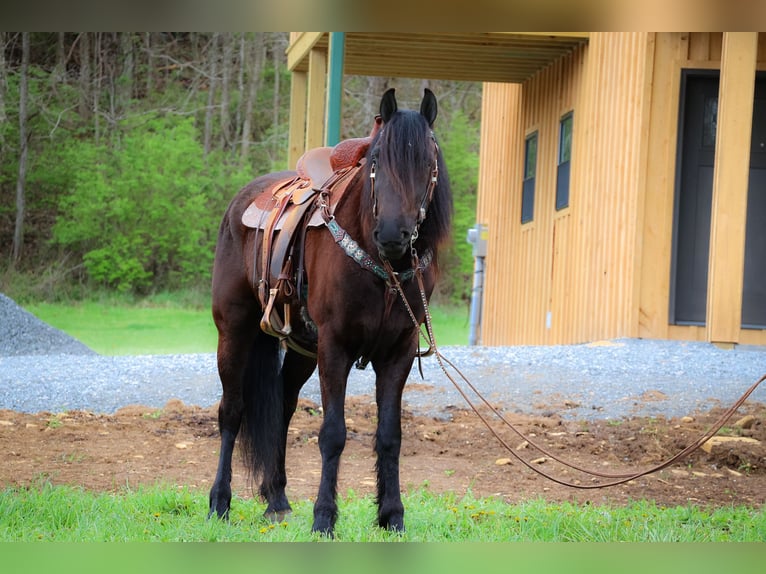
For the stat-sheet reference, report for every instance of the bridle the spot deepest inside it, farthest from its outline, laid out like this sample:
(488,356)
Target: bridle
(427,196)
(359,255)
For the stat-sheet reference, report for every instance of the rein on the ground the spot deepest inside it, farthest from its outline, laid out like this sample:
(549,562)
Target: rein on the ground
(613,479)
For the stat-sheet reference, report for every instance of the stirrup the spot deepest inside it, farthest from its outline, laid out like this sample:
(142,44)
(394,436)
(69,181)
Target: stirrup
(271,324)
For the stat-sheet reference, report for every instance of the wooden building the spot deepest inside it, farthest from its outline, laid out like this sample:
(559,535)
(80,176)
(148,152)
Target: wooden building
(622,175)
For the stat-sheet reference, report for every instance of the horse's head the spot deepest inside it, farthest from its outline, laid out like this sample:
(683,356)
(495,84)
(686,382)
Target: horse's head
(405,171)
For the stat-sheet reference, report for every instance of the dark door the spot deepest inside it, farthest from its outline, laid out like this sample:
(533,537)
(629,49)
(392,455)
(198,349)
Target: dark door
(754,288)
(699,114)
(694,198)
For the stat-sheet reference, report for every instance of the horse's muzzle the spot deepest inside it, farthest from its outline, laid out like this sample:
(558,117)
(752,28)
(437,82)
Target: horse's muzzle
(393,246)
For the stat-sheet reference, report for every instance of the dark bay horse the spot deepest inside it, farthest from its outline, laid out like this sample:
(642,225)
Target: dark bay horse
(397,209)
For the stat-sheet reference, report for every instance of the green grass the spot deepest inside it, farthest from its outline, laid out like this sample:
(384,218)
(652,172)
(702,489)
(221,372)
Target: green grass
(122,329)
(166,325)
(451,325)
(58,513)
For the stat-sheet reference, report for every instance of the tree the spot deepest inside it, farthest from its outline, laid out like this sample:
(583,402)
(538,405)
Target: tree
(18,232)
(85,73)
(253,61)
(227,51)
(3,81)
(125,80)
(212,81)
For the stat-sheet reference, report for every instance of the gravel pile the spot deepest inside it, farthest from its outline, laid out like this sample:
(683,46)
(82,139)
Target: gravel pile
(21,333)
(41,369)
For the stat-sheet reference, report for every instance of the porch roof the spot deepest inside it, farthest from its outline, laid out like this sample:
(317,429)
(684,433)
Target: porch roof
(474,56)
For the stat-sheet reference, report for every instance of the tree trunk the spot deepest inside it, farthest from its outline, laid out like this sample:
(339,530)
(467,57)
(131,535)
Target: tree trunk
(3,81)
(277,54)
(149,64)
(213,71)
(125,81)
(85,76)
(255,69)
(226,62)
(95,89)
(242,64)
(58,75)
(18,232)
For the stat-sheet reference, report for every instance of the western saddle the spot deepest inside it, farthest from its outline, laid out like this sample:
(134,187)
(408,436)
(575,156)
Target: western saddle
(283,213)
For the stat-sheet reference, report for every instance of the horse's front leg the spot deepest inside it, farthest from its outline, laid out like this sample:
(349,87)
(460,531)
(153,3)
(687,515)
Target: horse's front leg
(334,366)
(390,379)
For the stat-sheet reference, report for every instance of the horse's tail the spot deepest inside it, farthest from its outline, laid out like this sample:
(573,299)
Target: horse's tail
(261,439)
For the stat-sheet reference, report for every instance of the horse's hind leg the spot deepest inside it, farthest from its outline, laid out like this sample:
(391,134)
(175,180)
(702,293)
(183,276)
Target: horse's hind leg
(232,359)
(296,370)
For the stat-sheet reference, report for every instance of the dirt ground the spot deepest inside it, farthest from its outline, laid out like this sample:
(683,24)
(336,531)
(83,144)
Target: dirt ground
(179,444)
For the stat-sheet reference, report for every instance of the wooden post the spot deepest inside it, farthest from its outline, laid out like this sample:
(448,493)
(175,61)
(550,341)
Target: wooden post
(730,181)
(297,134)
(315,118)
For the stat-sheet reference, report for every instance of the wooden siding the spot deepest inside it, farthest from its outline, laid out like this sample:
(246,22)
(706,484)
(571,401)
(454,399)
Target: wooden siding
(606,184)
(730,183)
(500,185)
(568,276)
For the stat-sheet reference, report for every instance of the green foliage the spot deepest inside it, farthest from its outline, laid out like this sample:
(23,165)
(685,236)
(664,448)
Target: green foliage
(143,209)
(120,193)
(460,145)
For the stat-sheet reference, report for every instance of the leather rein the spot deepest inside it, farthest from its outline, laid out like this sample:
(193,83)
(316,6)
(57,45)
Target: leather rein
(613,479)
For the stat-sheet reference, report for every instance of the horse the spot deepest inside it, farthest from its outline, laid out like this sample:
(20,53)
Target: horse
(360,304)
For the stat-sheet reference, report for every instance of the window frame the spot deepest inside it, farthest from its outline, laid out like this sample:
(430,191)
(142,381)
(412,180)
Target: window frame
(529,176)
(564,166)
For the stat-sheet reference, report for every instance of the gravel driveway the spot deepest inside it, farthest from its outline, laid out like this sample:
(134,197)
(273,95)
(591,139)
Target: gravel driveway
(42,369)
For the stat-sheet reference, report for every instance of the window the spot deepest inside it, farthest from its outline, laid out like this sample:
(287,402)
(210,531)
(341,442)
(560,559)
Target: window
(528,187)
(565,155)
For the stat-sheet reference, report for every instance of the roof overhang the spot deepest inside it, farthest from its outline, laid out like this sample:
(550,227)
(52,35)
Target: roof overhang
(477,56)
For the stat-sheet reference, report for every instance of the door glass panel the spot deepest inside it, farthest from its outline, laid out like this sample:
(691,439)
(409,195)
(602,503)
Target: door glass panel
(709,121)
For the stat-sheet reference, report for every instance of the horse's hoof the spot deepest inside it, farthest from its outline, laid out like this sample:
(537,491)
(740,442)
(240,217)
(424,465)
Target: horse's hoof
(327,532)
(221,514)
(219,507)
(277,516)
(392,523)
(323,525)
(324,521)
(397,527)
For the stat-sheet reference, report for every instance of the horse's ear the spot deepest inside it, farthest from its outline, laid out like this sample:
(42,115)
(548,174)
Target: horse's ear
(428,107)
(388,105)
